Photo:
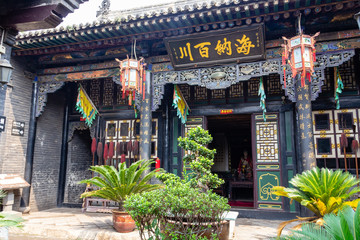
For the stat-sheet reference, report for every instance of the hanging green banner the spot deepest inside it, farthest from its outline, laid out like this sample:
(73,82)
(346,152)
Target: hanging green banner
(339,87)
(85,106)
(180,104)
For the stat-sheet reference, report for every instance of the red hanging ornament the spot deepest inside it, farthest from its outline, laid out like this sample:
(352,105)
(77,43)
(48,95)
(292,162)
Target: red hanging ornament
(132,77)
(300,51)
(111,150)
(105,153)
(93,146)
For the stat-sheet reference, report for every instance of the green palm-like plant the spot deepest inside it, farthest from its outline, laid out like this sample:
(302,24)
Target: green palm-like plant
(345,225)
(117,185)
(322,191)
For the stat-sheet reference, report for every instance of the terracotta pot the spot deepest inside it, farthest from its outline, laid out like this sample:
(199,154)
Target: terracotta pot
(122,221)
(224,234)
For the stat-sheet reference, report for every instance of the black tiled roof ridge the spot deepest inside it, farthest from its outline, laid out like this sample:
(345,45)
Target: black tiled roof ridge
(197,6)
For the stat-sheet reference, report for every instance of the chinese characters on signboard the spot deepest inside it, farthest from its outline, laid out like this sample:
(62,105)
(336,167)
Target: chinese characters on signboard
(18,128)
(214,48)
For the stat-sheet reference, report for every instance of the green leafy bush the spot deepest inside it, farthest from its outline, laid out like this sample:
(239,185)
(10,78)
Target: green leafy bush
(187,208)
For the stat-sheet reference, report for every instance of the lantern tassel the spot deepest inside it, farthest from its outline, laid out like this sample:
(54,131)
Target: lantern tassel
(308,76)
(106,147)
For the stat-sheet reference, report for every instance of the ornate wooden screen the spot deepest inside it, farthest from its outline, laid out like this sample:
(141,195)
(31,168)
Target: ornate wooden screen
(267,167)
(328,126)
(129,130)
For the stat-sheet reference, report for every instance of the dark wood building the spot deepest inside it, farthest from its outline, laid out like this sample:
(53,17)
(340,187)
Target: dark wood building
(201,48)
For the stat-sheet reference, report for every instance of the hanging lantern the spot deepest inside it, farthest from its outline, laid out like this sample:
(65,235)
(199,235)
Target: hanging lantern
(132,77)
(299,53)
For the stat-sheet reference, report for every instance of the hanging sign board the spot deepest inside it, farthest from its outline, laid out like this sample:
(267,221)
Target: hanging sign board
(217,47)
(18,128)
(2,123)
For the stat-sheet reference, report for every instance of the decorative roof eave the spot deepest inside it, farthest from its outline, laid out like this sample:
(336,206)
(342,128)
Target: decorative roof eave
(165,25)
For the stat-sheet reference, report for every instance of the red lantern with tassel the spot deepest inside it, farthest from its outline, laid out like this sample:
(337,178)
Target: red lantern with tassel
(123,151)
(106,149)
(299,53)
(111,151)
(157,163)
(132,77)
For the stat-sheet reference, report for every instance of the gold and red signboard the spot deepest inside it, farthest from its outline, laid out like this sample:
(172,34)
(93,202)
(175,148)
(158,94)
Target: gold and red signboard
(217,47)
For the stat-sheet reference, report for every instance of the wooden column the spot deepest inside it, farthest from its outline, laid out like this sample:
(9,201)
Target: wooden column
(305,127)
(25,198)
(145,121)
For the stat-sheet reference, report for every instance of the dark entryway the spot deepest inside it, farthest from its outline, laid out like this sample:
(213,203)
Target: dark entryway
(233,160)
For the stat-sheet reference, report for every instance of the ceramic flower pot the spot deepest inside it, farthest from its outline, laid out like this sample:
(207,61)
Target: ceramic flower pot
(122,221)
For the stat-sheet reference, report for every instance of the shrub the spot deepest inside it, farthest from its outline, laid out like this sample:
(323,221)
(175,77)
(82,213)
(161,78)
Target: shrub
(184,208)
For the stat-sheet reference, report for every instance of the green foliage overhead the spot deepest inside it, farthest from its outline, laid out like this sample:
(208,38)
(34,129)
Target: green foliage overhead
(117,185)
(322,191)
(343,226)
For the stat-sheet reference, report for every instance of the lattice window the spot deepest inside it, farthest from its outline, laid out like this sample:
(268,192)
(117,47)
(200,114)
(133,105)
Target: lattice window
(328,78)
(200,93)
(253,87)
(119,99)
(267,142)
(347,73)
(108,92)
(273,84)
(236,90)
(218,94)
(95,91)
(185,90)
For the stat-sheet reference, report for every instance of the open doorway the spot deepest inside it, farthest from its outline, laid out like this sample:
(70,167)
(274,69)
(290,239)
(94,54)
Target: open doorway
(233,160)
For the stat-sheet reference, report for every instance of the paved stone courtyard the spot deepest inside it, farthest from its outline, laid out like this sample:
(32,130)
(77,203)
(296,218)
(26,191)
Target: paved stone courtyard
(71,223)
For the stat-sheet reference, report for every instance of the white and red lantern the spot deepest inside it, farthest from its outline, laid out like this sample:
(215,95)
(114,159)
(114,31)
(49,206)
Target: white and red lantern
(299,52)
(132,77)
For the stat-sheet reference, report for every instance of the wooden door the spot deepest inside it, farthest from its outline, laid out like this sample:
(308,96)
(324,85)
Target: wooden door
(266,161)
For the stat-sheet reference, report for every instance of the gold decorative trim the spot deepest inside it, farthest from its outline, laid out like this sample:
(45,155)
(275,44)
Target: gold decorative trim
(270,206)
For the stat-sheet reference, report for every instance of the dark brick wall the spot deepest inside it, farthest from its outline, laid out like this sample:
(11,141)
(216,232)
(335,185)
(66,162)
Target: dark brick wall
(47,153)
(15,101)
(78,163)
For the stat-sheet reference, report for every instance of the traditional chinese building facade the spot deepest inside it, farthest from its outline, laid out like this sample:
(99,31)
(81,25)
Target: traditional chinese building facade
(218,55)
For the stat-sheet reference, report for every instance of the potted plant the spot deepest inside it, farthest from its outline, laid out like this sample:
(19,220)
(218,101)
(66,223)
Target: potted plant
(185,208)
(117,185)
(8,220)
(344,225)
(322,191)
